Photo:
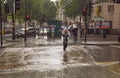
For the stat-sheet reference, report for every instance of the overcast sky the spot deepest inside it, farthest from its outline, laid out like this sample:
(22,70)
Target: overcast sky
(53,0)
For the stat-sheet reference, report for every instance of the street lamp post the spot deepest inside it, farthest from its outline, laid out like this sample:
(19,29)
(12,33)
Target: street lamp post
(13,19)
(6,7)
(1,33)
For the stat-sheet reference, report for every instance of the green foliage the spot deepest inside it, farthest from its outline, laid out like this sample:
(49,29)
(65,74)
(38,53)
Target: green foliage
(36,9)
(99,1)
(73,7)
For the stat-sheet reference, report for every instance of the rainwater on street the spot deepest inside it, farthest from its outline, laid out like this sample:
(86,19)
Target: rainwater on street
(49,61)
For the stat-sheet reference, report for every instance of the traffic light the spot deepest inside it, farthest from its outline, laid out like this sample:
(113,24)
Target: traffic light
(17,4)
(116,1)
(98,10)
(27,17)
(84,11)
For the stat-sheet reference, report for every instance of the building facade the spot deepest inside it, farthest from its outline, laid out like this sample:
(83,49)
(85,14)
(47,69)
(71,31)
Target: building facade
(108,11)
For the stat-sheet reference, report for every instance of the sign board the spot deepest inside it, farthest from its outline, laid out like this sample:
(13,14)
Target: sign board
(103,25)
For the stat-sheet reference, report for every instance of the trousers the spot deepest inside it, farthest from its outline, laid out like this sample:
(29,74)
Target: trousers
(65,46)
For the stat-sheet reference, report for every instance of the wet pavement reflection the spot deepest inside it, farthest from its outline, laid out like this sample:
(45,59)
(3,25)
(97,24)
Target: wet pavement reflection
(104,53)
(51,62)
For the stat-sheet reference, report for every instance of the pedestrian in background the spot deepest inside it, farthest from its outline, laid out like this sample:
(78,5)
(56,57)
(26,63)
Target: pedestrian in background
(70,29)
(74,29)
(65,35)
(52,31)
(63,27)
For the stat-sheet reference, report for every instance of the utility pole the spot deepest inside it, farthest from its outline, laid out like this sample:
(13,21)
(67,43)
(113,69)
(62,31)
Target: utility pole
(86,28)
(1,33)
(6,7)
(13,19)
(80,22)
(84,12)
(25,38)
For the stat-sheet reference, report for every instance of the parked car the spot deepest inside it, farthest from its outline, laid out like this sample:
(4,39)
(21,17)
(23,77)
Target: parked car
(43,31)
(31,31)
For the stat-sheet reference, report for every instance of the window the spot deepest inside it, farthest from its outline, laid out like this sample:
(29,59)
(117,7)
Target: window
(110,8)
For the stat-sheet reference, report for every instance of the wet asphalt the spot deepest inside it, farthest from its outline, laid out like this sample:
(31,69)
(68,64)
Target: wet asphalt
(45,59)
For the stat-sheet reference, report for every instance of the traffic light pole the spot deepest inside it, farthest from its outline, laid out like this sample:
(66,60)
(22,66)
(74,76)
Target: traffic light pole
(85,28)
(13,19)
(84,12)
(1,33)
(25,38)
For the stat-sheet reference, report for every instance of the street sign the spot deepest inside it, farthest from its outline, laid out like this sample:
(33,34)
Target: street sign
(103,25)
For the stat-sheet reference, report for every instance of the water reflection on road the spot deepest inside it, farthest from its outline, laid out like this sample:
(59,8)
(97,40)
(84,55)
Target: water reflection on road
(44,58)
(52,62)
(104,53)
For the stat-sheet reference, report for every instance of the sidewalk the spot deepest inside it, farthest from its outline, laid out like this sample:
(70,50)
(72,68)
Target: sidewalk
(100,43)
(6,44)
(55,42)
(9,42)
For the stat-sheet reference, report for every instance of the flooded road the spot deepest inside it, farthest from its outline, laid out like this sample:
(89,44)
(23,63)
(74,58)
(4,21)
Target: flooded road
(104,53)
(69,72)
(47,57)
(52,62)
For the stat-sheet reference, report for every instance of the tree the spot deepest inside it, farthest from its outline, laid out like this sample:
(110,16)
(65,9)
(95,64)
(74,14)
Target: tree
(49,9)
(37,10)
(99,1)
(73,7)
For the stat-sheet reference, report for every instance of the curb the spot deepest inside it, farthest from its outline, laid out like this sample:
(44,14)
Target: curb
(8,45)
(13,40)
(100,43)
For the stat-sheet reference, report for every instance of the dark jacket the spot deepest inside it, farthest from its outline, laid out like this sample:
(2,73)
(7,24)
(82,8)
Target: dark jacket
(65,38)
